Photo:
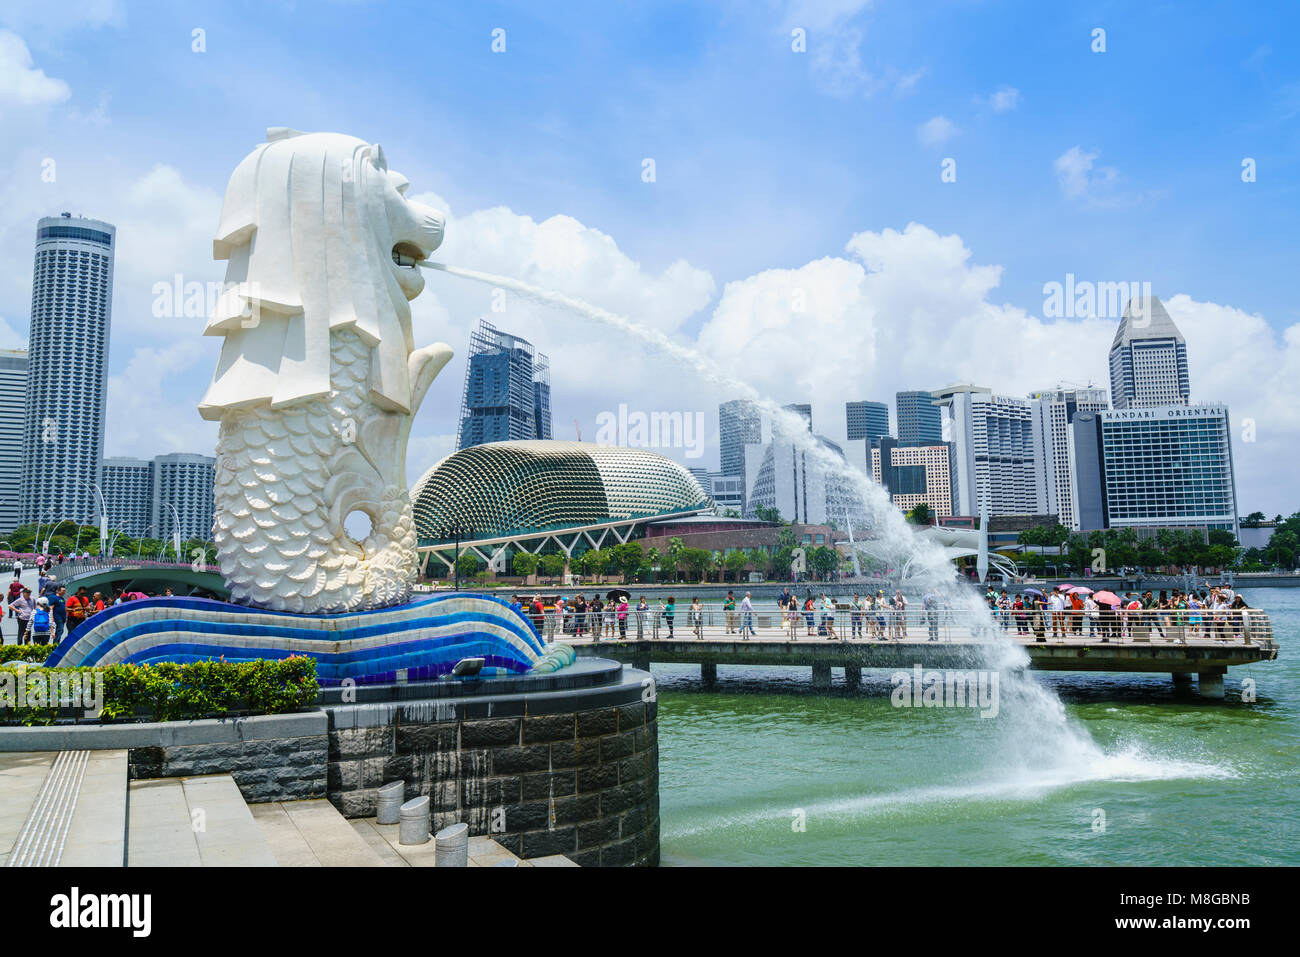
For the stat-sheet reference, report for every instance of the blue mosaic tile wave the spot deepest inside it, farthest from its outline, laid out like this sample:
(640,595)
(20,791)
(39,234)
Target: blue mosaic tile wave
(424,637)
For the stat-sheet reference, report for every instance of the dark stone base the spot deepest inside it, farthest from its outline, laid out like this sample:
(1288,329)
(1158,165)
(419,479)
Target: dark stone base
(574,773)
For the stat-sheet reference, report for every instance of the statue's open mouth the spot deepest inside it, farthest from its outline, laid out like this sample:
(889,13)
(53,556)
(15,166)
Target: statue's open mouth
(407,254)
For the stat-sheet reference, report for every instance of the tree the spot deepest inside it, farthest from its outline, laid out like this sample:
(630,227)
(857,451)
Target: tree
(1253,520)
(921,515)
(595,561)
(781,562)
(735,562)
(653,560)
(786,538)
(823,561)
(675,549)
(765,514)
(758,560)
(468,565)
(627,559)
(525,563)
(696,561)
(552,566)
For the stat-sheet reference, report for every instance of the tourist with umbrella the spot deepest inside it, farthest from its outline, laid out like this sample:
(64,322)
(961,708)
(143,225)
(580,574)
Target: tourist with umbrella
(1108,604)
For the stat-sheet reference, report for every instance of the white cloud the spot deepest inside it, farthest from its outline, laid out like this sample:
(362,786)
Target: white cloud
(1079,180)
(936,131)
(909,310)
(1006,98)
(21,83)
(9,338)
(55,19)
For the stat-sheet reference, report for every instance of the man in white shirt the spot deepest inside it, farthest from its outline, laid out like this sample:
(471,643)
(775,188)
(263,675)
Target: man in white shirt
(746,617)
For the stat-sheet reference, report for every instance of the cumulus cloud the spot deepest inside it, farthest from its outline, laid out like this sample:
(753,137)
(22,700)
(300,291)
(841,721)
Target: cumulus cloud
(21,82)
(910,310)
(936,131)
(593,368)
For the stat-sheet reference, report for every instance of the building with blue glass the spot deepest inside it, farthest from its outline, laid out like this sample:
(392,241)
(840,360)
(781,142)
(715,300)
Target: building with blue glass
(1164,467)
(507,393)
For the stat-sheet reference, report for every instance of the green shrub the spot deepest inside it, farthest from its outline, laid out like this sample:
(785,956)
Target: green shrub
(168,691)
(25,652)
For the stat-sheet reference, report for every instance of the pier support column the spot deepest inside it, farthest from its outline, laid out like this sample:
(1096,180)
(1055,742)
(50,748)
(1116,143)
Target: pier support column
(821,675)
(1182,680)
(641,662)
(853,676)
(1209,684)
(709,672)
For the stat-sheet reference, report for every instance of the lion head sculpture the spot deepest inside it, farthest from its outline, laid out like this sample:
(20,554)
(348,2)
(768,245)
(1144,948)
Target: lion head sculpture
(319,237)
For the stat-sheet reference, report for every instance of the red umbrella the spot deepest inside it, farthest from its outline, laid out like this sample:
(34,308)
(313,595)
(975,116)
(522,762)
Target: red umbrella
(1106,597)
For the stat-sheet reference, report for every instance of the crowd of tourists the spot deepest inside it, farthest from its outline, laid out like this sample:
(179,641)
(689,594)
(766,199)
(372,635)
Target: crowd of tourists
(1213,612)
(46,616)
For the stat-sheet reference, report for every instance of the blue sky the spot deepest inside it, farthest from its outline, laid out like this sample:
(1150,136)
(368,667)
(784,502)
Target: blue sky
(1115,166)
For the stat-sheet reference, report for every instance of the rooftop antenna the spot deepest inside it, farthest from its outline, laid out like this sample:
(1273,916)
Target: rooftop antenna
(578,430)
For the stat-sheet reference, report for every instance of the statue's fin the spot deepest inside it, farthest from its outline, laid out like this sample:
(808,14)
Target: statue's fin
(274,133)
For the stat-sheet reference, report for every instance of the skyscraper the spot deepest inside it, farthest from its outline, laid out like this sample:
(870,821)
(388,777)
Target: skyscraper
(128,496)
(867,420)
(920,422)
(994,451)
(507,389)
(182,481)
(13,413)
(1166,466)
(140,494)
(739,424)
(1054,410)
(1148,358)
(72,295)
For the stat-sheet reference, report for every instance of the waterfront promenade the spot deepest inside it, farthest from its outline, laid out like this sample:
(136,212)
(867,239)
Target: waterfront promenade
(1125,646)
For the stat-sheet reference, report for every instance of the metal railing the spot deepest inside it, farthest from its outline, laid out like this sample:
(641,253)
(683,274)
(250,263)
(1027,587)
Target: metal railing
(1235,625)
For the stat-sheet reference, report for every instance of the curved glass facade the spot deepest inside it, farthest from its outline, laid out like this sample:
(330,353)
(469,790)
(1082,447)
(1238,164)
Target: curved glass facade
(515,488)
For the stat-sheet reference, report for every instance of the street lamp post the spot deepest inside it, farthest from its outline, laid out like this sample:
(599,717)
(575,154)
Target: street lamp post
(140,541)
(457,531)
(103,515)
(176,532)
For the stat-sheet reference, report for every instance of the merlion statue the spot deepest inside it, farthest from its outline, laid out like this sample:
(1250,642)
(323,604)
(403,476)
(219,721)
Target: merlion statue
(319,377)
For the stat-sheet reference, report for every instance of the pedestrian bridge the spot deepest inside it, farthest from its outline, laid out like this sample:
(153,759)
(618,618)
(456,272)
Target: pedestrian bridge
(1133,645)
(143,575)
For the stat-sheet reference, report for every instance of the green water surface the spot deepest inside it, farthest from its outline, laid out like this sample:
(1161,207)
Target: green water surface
(763,770)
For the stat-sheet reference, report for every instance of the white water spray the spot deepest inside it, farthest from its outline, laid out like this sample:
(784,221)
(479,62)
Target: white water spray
(1039,738)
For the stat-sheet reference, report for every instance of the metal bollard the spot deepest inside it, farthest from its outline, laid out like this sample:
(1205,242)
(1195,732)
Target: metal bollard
(453,846)
(413,822)
(391,798)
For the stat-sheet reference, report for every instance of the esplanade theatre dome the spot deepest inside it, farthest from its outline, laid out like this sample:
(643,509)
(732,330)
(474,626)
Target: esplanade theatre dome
(503,489)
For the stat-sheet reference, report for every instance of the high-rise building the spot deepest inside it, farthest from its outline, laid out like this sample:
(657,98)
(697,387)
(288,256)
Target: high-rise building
(13,415)
(1168,467)
(867,420)
(994,452)
(128,496)
(802,409)
(67,368)
(1054,410)
(781,476)
(1148,358)
(507,389)
(739,424)
(920,421)
(915,474)
(184,482)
